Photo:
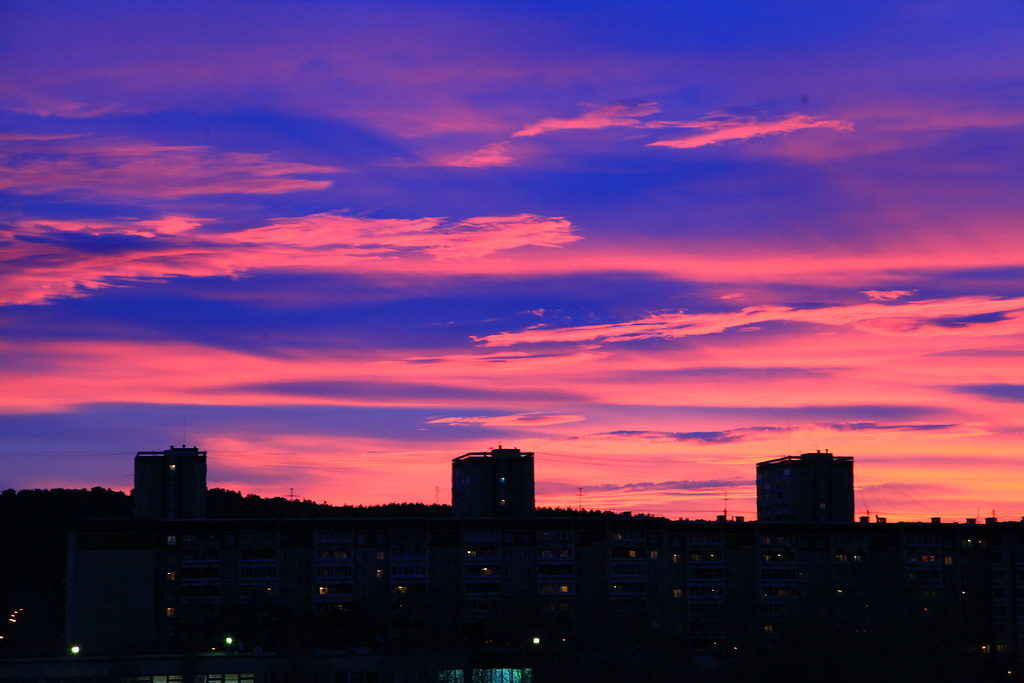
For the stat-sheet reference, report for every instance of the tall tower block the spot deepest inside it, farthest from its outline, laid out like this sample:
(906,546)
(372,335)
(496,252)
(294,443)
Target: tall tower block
(494,484)
(812,487)
(170,484)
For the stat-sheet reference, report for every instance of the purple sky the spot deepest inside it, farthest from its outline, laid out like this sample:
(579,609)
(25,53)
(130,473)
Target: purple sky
(337,244)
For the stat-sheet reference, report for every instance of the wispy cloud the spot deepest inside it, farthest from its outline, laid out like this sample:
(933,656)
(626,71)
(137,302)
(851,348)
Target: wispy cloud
(615,115)
(439,237)
(517,420)
(553,488)
(119,167)
(52,259)
(724,436)
(999,392)
(495,154)
(735,128)
(716,128)
(865,426)
(925,318)
(888,295)
(739,434)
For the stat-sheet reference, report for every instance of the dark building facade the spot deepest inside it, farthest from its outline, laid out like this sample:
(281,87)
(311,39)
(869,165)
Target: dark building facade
(643,597)
(812,487)
(498,483)
(170,484)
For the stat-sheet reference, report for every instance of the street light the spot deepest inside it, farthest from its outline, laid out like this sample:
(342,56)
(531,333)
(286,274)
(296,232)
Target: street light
(75,649)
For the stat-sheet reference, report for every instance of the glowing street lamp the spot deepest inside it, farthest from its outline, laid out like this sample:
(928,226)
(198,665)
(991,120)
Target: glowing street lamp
(75,649)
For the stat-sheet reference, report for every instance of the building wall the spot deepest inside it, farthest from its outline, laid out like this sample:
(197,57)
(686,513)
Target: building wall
(111,601)
(580,585)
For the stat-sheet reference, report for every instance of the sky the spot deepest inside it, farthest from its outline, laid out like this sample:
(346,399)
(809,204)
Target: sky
(337,244)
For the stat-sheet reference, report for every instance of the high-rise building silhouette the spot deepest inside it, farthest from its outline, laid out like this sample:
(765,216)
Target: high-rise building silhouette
(494,484)
(170,484)
(811,487)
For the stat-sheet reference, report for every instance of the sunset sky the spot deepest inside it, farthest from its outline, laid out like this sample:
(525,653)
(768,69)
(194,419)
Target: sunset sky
(336,244)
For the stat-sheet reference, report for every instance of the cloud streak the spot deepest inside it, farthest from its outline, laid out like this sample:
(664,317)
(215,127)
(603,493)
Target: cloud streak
(682,485)
(725,436)
(737,128)
(611,116)
(43,261)
(717,128)
(517,420)
(118,167)
(919,318)
(752,433)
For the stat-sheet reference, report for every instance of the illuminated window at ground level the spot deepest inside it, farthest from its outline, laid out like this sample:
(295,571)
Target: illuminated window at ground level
(199,678)
(485,676)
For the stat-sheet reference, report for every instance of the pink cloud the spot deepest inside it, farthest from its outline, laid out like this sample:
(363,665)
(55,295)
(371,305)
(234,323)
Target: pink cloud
(616,115)
(517,420)
(438,237)
(42,262)
(118,167)
(495,154)
(741,128)
(914,318)
(888,295)
(720,128)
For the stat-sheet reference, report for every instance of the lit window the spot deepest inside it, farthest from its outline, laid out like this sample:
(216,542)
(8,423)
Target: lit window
(677,592)
(172,540)
(323,590)
(380,555)
(654,554)
(172,467)
(380,573)
(563,588)
(170,611)
(401,590)
(172,576)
